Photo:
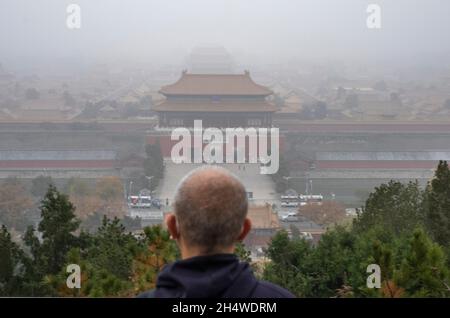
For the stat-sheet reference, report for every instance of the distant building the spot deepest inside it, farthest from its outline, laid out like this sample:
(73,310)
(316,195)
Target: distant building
(210,60)
(294,102)
(219,100)
(265,224)
(63,164)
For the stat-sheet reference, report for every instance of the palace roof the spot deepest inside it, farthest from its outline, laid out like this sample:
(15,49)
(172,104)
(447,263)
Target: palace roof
(215,85)
(215,106)
(263,217)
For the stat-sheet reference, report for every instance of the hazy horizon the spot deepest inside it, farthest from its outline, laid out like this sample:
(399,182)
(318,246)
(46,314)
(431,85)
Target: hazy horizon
(264,31)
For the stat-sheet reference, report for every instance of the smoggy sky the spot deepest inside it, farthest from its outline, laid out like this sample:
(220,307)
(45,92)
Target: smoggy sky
(269,30)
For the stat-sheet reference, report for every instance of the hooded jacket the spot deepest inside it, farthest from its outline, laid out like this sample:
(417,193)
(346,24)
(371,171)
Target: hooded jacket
(217,276)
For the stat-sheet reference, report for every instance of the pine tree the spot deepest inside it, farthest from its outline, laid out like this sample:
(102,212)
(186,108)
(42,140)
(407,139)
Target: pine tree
(158,250)
(242,253)
(395,206)
(113,249)
(423,272)
(57,226)
(10,263)
(438,205)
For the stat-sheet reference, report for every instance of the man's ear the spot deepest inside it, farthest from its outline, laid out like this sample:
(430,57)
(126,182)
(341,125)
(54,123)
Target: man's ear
(171,222)
(245,229)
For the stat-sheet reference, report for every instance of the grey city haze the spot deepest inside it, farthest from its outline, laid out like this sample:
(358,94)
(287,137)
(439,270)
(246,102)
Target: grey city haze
(328,121)
(254,31)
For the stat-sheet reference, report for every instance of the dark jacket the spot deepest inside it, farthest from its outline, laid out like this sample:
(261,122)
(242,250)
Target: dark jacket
(217,276)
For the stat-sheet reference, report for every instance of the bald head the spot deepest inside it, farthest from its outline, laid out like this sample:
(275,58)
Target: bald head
(210,207)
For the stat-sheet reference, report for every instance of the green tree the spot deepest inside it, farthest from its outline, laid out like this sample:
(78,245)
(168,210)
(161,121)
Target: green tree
(113,249)
(396,206)
(158,241)
(437,205)
(242,253)
(423,271)
(157,250)
(95,281)
(337,265)
(11,266)
(105,259)
(289,266)
(57,227)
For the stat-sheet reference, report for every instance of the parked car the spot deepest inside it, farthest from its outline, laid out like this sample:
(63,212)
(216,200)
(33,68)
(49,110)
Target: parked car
(289,197)
(292,204)
(290,218)
(157,203)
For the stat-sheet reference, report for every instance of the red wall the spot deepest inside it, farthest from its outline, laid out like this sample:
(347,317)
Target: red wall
(166,144)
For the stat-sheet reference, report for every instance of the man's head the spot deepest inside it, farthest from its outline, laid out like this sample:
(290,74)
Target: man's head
(210,212)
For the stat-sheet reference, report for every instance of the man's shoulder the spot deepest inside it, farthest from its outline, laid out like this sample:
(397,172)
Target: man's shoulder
(266,289)
(262,289)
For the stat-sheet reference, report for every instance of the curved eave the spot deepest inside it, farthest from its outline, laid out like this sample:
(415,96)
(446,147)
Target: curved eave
(211,107)
(169,94)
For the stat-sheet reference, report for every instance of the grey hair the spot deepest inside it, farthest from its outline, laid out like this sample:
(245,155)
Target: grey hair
(210,212)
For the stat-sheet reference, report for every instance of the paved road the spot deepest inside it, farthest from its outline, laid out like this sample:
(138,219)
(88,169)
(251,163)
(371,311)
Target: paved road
(262,186)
